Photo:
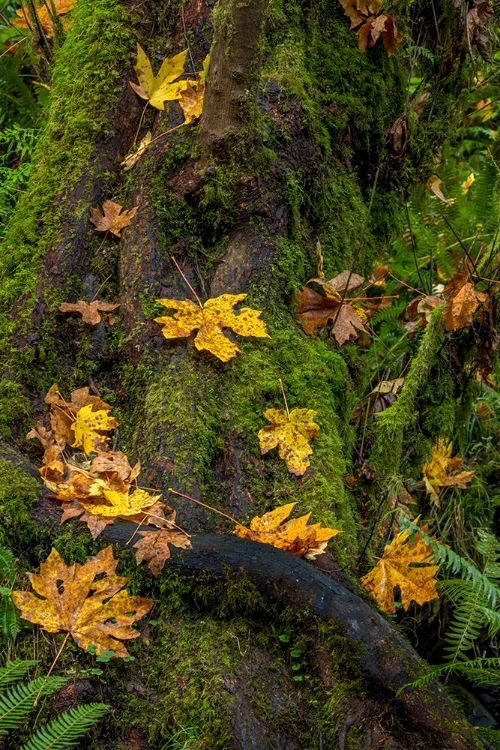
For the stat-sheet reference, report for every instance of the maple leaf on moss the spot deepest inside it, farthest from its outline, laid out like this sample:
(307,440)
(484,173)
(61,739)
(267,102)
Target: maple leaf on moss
(90,311)
(216,314)
(88,427)
(113,219)
(291,433)
(441,471)
(396,568)
(296,536)
(83,600)
(153,546)
(160,88)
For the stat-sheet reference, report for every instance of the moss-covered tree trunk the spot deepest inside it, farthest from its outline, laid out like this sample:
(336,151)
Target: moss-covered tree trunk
(292,146)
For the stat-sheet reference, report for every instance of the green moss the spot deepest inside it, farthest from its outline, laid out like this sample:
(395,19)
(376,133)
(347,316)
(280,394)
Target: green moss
(18,493)
(85,85)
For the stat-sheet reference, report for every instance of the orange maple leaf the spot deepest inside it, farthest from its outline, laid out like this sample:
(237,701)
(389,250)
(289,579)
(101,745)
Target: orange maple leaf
(44,14)
(153,546)
(111,220)
(295,536)
(462,301)
(83,600)
(396,568)
(315,310)
(441,471)
(90,311)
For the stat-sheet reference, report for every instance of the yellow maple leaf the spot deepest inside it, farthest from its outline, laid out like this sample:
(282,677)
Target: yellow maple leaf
(88,426)
(441,471)
(291,432)
(89,604)
(118,504)
(216,314)
(394,568)
(296,536)
(160,88)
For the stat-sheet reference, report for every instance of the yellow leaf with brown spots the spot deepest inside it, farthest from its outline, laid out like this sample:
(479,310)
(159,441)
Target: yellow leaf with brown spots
(296,536)
(83,600)
(395,568)
(441,471)
(89,426)
(209,320)
(291,433)
(118,504)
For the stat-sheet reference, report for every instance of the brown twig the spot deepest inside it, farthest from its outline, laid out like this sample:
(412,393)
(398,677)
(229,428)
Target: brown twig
(186,281)
(209,507)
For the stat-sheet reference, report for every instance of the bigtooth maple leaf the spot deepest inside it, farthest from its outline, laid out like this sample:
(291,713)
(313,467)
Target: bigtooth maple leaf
(112,219)
(315,310)
(394,568)
(295,536)
(216,314)
(85,601)
(462,301)
(88,427)
(160,88)
(117,504)
(441,471)
(153,546)
(90,311)
(291,432)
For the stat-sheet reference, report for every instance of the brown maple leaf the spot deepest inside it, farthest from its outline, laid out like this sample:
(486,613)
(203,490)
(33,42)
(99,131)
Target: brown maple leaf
(296,536)
(315,310)
(153,546)
(90,311)
(396,567)
(85,601)
(111,220)
(462,301)
(379,26)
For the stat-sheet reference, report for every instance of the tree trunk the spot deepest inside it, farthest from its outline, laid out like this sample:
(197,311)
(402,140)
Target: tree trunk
(292,146)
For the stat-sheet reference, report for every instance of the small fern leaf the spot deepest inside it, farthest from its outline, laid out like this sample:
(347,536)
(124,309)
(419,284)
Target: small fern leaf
(67,729)
(19,701)
(14,671)
(8,565)
(10,625)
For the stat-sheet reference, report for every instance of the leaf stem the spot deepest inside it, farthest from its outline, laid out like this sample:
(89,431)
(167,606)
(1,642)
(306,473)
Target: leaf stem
(198,502)
(51,668)
(186,281)
(284,398)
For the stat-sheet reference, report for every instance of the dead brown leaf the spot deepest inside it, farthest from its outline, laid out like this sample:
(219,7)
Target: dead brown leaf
(90,311)
(112,220)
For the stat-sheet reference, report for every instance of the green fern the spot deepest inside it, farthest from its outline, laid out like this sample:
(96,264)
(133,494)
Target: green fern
(7,565)
(14,671)
(485,671)
(19,700)
(67,729)
(10,625)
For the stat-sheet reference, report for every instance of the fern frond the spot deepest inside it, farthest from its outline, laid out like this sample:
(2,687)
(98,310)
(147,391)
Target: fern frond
(66,729)
(14,671)
(8,565)
(486,671)
(10,625)
(18,702)
(464,630)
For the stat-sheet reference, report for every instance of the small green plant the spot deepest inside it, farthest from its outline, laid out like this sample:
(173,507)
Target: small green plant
(9,618)
(17,701)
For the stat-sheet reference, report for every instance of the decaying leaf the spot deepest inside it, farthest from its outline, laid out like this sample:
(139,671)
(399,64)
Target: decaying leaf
(442,471)
(160,88)
(153,547)
(358,10)
(192,97)
(462,301)
(90,311)
(85,601)
(111,504)
(434,184)
(131,160)
(112,220)
(383,26)
(395,568)
(315,310)
(88,428)
(291,433)
(295,536)
(341,284)
(44,14)
(383,395)
(210,319)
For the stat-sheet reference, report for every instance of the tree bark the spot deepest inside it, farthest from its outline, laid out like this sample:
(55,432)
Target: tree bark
(290,147)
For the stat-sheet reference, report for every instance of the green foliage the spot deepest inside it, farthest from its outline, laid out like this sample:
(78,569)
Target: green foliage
(18,701)
(16,148)
(67,729)
(9,617)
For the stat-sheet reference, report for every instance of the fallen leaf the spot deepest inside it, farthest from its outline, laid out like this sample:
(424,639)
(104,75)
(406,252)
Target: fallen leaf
(441,471)
(315,310)
(295,536)
(347,321)
(88,310)
(153,547)
(88,428)
(111,220)
(131,161)
(379,26)
(83,600)
(113,466)
(462,301)
(341,284)
(117,504)
(396,568)
(358,10)
(467,183)
(191,102)
(291,433)
(44,15)
(380,398)
(210,319)
(434,185)
(160,88)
